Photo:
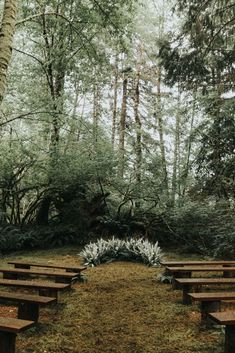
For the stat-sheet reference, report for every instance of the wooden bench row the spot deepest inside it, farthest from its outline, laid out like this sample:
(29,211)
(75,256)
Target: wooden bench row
(210,302)
(194,284)
(28,304)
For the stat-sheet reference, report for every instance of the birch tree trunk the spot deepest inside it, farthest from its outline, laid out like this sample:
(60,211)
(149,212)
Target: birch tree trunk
(7,31)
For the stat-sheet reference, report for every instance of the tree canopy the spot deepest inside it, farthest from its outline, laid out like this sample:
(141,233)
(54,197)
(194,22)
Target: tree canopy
(117,119)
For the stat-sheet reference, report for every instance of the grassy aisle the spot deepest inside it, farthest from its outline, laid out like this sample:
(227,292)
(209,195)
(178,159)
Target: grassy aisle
(121,309)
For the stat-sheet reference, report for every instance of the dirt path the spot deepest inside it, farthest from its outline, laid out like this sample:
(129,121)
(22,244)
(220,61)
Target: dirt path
(121,309)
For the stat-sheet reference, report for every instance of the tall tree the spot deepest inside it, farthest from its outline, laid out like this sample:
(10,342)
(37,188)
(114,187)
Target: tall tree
(6,40)
(122,127)
(159,117)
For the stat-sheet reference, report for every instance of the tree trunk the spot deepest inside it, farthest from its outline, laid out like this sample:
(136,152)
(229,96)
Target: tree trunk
(175,179)
(79,132)
(115,89)
(42,217)
(55,73)
(6,39)
(158,115)
(96,111)
(188,149)
(122,128)
(138,126)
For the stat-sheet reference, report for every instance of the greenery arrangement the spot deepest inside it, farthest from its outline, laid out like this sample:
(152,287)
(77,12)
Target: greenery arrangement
(137,250)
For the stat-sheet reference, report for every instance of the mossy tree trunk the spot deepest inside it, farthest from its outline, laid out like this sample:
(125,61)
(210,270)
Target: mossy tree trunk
(7,31)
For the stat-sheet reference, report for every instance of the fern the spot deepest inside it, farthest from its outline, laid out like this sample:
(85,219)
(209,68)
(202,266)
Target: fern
(138,250)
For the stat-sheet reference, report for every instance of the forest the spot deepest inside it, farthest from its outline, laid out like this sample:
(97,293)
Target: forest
(117,119)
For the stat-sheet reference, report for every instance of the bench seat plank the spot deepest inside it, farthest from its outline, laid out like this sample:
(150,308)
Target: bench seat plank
(197,263)
(34,284)
(26,298)
(224,317)
(205,281)
(40,273)
(212,296)
(46,265)
(200,269)
(14,325)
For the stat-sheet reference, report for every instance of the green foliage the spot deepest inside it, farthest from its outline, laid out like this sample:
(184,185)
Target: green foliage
(216,158)
(224,245)
(11,238)
(202,227)
(207,31)
(165,277)
(14,238)
(44,237)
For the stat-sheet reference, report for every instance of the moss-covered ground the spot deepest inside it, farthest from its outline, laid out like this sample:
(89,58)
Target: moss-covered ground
(120,309)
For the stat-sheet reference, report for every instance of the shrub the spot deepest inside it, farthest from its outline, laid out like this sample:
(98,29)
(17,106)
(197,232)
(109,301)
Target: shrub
(224,246)
(11,238)
(137,250)
(14,238)
(207,228)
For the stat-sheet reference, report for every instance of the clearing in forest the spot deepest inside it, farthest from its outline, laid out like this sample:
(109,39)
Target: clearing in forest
(121,309)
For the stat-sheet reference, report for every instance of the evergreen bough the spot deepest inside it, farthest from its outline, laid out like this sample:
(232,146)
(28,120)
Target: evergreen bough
(136,250)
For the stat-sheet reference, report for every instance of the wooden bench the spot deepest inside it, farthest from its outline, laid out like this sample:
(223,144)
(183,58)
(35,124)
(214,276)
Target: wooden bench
(211,302)
(186,271)
(28,305)
(226,318)
(188,284)
(60,277)
(28,265)
(49,289)
(8,331)
(197,263)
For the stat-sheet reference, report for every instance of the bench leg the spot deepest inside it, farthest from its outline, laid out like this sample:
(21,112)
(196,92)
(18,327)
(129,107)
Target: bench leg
(186,298)
(48,293)
(26,267)
(7,342)
(229,346)
(229,274)
(206,308)
(28,311)
(63,280)
(10,276)
(179,275)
